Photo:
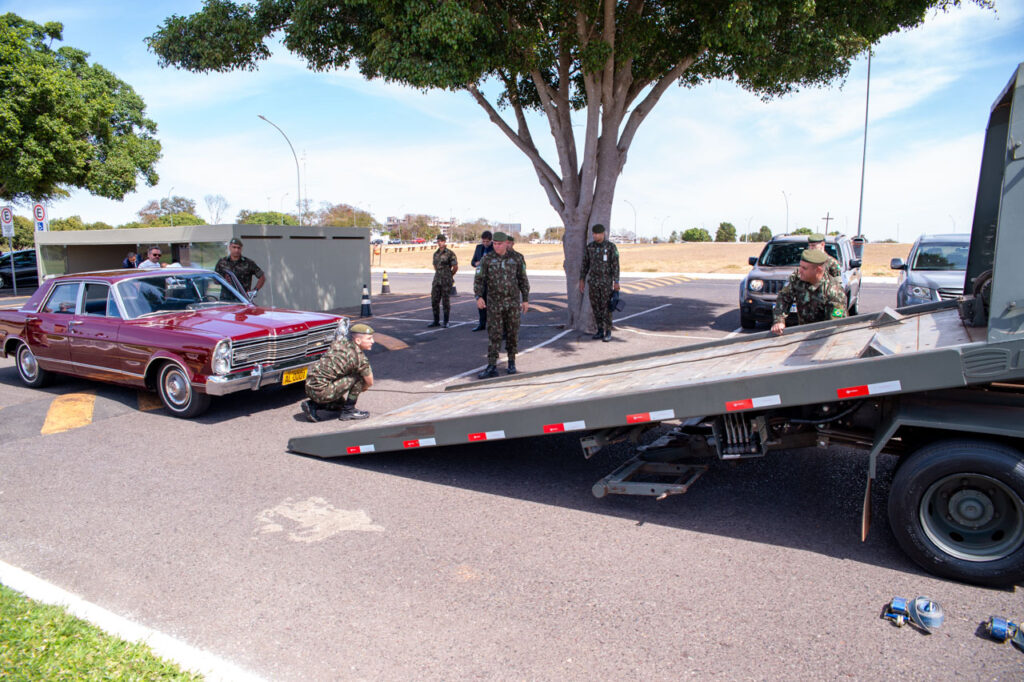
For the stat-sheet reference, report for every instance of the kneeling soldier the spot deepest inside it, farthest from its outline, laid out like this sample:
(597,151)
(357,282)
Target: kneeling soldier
(336,380)
(816,295)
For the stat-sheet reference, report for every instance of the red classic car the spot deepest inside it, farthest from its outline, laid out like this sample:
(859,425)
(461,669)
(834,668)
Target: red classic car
(187,333)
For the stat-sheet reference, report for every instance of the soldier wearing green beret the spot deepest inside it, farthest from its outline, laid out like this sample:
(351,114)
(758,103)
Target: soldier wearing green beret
(502,275)
(817,296)
(336,380)
(600,270)
(243,268)
(816,242)
(445,267)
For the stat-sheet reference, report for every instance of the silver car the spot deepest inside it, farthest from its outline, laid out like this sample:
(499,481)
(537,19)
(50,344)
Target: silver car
(934,270)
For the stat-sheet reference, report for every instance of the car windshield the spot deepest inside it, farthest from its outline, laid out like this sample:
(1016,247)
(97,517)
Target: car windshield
(787,254)
(166,293)
(932,256)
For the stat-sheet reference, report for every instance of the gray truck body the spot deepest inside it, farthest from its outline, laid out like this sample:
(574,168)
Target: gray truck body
(928,373)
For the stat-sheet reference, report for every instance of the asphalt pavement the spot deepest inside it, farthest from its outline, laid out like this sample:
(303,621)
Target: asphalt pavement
(490,560)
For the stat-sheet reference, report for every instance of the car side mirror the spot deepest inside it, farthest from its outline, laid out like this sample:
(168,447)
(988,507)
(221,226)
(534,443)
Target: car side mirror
(752,260)
(855,263)
(897,264)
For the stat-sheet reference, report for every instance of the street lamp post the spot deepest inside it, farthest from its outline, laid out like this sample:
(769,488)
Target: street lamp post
(169,211)
(864,152)
(298,177)
(787,210)
(634,219)
(662,229)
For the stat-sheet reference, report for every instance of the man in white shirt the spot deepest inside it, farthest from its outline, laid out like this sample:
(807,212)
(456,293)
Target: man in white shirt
(152,261)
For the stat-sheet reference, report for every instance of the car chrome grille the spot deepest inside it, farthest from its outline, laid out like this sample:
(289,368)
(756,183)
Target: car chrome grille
(950,294)
(283,348)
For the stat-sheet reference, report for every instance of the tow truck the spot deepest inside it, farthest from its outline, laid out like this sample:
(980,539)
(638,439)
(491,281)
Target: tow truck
(939,385)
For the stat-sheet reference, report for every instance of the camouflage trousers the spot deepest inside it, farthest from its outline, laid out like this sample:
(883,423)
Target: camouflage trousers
(440,296)
(335,392)
(600,294)
(503,320)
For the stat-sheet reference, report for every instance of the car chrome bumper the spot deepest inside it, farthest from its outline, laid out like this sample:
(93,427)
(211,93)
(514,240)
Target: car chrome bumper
(253,380)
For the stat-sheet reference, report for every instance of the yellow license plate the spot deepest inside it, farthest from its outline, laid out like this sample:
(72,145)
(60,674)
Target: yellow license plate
(292,375)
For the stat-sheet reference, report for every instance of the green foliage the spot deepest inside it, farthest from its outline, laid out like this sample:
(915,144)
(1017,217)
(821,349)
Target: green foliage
(40,642)
(75,223)
(24,230)
(764,234)
(174,220)
(554,233)
(726,232)
(166,206)
(246,217)
(696,234)
(343,215)
(673,238)
(803,230)
(65,123)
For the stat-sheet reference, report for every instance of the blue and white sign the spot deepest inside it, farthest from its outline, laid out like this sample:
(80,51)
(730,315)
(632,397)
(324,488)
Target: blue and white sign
(42,222)
(7,220)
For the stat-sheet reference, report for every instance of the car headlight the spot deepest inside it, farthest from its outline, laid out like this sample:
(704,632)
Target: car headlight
(921,292)
(342,327)
(755,284)
(222,357)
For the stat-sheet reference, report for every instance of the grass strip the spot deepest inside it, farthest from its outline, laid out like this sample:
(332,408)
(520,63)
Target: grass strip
(43,642)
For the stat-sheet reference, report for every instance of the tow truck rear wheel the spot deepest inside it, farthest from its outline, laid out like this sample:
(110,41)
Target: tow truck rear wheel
(956,508)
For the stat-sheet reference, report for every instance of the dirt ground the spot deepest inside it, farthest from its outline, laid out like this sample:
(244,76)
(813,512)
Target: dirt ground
(691,257)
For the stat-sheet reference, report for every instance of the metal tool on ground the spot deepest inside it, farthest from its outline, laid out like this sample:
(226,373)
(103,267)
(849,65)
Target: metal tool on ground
(926,614)
(385,288)
(364,310)
(1003,629)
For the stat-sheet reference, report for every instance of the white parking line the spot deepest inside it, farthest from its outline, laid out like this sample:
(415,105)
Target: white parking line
(185,655)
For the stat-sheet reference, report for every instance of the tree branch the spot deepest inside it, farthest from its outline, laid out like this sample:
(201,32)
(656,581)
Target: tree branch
(641,111)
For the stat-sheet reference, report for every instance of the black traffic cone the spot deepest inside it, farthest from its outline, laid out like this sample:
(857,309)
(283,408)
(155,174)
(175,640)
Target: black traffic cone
(364,311)
(385,288)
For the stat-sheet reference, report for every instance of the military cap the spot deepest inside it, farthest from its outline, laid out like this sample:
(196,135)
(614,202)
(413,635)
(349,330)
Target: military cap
(235,241)
(500,237)
(815,238)
(360,328)
(442,238)
(597,229)
(814,257)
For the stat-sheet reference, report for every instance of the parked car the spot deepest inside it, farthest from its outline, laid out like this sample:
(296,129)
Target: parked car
(26,273)
(186,333)
(778,259)
(935,269)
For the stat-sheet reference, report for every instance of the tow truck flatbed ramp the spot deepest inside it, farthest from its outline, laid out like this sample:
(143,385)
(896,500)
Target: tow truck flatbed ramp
(918,349)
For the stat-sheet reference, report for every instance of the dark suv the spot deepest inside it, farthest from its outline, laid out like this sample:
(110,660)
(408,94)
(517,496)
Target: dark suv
(779,258)
(24,269)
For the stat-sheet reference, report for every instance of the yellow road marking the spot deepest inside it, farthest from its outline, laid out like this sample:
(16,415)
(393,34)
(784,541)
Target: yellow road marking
(539,308)
(389,342)
(69,411)
(149,401)
(548,301)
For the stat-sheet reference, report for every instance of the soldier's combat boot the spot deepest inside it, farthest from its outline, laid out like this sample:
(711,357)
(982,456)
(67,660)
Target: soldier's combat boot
(445,323)
(349,411)
(607,334)
(489,371)
(435,323)
(309,409)
(598,334)
(511,367)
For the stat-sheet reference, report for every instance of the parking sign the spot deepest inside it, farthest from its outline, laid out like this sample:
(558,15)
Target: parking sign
(7,220)
(39,213)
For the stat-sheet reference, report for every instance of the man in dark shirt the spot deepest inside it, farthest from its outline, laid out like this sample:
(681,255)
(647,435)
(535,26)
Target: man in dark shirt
(243,268)
(482,249)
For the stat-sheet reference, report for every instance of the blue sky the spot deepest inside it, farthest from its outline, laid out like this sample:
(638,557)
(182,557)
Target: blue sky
(703,156)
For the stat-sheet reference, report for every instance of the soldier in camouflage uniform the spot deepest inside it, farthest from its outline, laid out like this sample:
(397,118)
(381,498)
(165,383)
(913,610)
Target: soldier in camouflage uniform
(445,267)
(243,268)
(817,296)
(601,263)
(336,380)
(816,242)
(503,276)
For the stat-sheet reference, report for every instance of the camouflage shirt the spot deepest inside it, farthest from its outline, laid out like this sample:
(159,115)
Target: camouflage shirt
(832,268)
(601,261)
(502,279)
(244,268)
(444,261)
(343,358)
(814,302)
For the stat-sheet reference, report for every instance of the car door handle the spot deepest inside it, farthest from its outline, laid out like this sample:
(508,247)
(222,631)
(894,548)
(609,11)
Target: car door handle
(74,322)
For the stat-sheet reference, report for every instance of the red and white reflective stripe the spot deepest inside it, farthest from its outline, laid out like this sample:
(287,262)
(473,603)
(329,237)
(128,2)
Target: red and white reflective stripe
(870,389)
(422,442)
(658,415)
(751,403)
(486,435)
(565,426)
(358,449)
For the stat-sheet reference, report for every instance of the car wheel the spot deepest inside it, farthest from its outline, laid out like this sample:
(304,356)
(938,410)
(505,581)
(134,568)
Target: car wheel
(747,321)
(177,393)
(956,508)
(28,368)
